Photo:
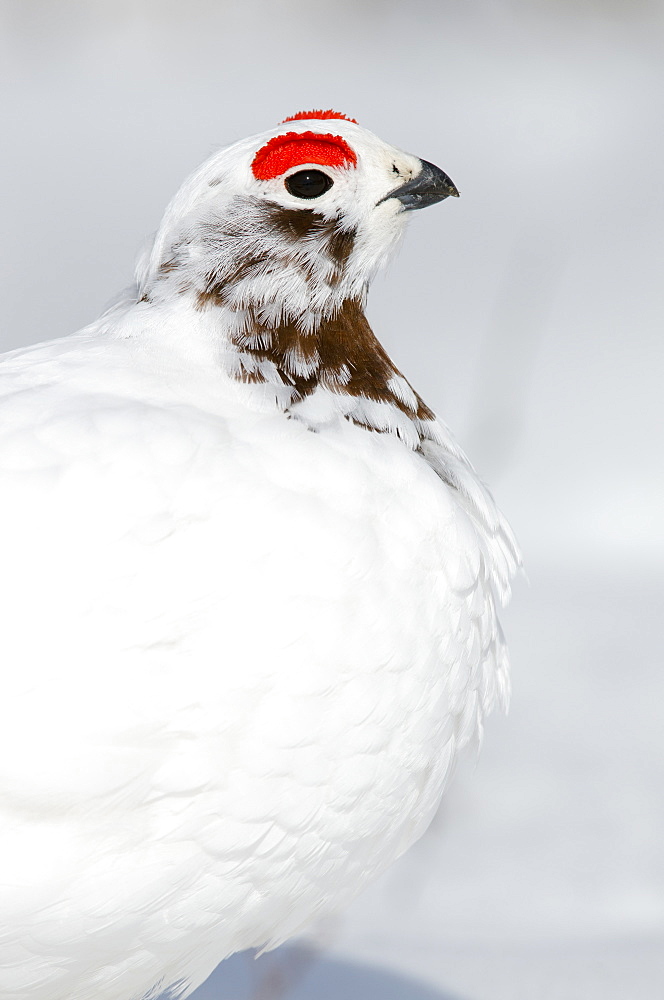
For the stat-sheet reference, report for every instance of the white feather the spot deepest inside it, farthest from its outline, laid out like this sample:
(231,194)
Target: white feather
(239,658)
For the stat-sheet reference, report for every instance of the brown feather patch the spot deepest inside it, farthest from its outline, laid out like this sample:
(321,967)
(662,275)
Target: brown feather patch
(343,352)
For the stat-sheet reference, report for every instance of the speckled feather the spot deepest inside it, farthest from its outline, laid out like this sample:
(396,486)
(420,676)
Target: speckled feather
(249,601)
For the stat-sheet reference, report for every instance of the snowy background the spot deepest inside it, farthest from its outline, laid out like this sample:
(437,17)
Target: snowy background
(529,314)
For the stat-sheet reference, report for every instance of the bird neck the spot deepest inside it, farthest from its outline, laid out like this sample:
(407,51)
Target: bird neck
(333,366)
(281,293)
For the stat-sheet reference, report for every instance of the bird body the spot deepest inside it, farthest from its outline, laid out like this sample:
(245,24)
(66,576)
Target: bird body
(249,587)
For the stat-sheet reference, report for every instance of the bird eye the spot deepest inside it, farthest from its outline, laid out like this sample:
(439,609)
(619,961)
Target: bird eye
(308,183)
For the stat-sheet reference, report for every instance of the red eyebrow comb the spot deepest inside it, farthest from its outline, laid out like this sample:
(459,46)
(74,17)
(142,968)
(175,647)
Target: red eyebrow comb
(292,148)
(319,115)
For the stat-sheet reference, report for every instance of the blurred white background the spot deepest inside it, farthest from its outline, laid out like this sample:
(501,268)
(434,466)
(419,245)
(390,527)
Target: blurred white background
(529,314)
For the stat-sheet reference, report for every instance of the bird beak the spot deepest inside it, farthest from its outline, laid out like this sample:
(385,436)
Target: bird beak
(430,185)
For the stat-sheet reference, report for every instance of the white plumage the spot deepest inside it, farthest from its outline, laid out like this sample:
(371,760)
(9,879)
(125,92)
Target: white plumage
(248,585)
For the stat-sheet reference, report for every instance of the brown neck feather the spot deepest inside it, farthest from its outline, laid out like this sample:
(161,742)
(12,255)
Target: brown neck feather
(342,355)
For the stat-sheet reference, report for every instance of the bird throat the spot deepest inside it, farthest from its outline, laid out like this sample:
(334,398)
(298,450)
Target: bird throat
(323,347)
(341,355)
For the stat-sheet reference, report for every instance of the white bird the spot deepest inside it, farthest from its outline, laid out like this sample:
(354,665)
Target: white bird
(248,584)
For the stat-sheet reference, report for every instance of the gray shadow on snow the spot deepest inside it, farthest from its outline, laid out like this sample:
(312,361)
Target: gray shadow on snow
(298,973)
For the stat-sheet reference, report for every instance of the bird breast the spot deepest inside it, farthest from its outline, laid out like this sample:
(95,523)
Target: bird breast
(252,667)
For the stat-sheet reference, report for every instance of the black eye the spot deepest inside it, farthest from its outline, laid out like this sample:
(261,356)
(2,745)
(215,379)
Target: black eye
(308,183)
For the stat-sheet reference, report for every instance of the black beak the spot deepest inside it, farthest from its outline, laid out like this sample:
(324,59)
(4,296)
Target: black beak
(430,185)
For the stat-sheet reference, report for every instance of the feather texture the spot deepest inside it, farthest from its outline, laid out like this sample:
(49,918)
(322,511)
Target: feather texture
(249,588)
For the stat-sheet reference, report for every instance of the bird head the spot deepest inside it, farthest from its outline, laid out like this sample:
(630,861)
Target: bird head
(291,223)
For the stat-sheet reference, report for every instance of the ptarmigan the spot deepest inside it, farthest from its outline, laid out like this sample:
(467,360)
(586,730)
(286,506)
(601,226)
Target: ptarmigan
(248,584)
